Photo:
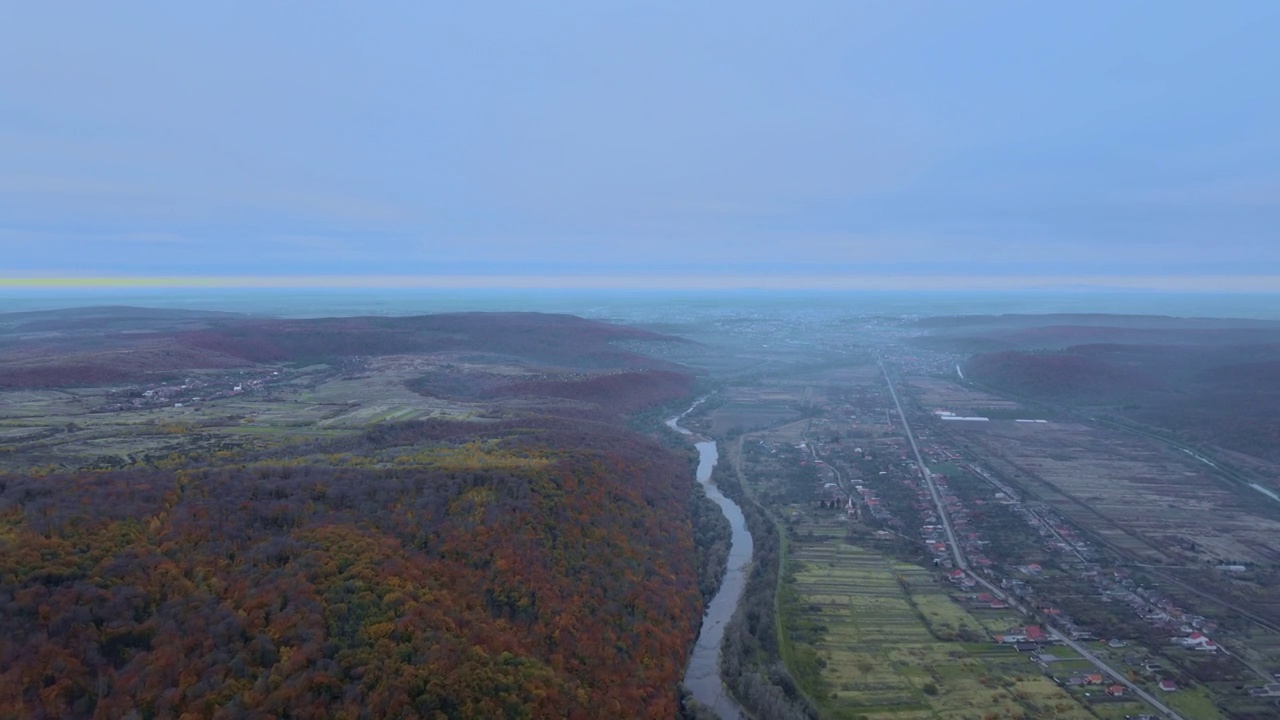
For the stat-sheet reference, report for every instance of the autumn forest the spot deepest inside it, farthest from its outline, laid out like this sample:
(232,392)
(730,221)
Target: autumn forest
(530,563)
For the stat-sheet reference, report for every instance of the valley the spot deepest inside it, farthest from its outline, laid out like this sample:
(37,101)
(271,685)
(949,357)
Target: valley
(1049,559)
(932,534)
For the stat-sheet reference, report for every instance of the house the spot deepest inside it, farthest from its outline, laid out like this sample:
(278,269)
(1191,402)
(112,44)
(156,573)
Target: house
(1198,641)
(1168,685)
(1093,679)
(1034,633)
(1116,690)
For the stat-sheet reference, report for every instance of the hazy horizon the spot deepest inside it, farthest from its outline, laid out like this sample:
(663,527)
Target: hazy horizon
(644,305)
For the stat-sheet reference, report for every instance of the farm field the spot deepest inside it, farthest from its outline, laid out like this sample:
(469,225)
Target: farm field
(70,427)
(1150,501)
(879,633)
(937,393)
(753,409)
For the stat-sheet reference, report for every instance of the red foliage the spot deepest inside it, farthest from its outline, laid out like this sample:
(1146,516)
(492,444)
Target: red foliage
(60,369)
(355,579)
(561,340)
(622,393)
(558,339)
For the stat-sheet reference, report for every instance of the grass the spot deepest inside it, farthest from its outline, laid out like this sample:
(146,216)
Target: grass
(882,630)
(60,428)
(1192,703)
(1118,710)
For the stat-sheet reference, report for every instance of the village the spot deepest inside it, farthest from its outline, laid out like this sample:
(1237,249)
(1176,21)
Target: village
(193,390)
(1040,562)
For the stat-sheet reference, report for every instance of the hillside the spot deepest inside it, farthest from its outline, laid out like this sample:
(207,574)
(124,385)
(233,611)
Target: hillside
(618,393)
(984,334)
(553,339)
(78,348)
(1063,376)
(540,565)
(521,571)
(1217,385)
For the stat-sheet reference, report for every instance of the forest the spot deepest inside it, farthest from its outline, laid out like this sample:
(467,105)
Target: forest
(63,350)
(1207,381)
(1221,396)
(529,569)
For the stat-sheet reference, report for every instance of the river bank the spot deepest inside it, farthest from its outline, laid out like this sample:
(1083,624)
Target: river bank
(702,677)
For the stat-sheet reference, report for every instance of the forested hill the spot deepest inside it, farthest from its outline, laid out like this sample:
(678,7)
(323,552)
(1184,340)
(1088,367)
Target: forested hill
(423,570)
(76,348)
(547,338)
(1208,381)
(540,565)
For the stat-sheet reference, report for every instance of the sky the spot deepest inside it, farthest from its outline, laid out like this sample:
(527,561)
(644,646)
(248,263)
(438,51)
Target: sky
(711,144)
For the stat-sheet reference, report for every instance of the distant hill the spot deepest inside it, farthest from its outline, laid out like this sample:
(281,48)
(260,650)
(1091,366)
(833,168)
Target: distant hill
(991,333)
(113,345)
(1068,376)
(616,393)
(558,339)
(156,359)
(1209,380)
(1151,322)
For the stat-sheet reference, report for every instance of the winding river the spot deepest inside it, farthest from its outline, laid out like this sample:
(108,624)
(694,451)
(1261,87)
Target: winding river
(702,677)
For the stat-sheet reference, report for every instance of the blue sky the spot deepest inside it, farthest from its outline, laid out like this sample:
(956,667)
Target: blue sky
(989,140)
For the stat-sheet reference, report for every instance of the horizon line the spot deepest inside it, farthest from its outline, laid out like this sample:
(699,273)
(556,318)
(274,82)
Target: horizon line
(834,282)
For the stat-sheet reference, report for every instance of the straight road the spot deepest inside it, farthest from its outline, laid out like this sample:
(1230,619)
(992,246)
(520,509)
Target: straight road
(963,564)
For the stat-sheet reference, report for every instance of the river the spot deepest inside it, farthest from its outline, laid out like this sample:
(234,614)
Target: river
(702,677)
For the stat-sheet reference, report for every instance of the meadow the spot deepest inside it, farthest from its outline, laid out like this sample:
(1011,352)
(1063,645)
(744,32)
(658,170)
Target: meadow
(876,640)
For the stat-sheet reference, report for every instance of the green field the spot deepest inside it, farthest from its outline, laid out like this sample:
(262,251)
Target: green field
(67,429)
(879,636)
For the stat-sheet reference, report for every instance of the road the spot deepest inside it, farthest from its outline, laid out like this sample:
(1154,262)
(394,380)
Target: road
(963,564)
(1158,571)
(844,487)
